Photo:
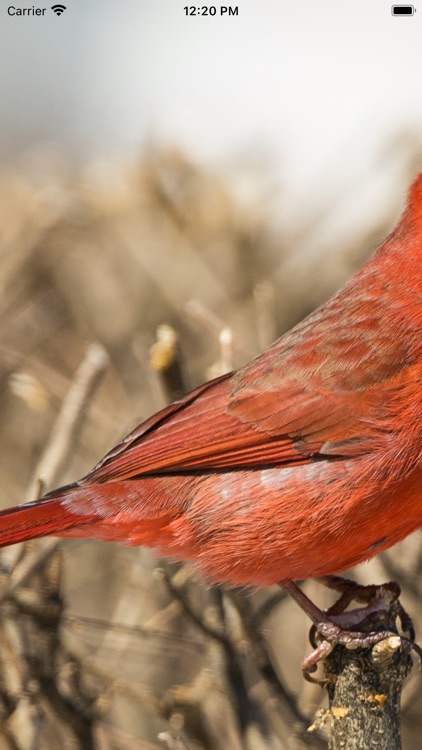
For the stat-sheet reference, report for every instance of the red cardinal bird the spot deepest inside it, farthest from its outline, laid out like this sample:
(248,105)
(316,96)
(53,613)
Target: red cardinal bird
(306,461)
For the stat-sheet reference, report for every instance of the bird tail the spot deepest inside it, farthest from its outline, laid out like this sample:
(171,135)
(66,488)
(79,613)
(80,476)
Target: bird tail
(44,517)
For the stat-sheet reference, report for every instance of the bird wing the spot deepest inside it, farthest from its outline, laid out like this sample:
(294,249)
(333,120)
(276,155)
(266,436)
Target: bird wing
(196,432)
(321,391)
(331,382)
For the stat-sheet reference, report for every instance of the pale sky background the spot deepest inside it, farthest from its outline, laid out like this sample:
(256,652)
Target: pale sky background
(326,95)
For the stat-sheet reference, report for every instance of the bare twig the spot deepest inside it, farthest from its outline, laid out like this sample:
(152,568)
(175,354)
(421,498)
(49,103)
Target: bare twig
(209,320)
(166,361)
(288,708)
(69,418)
(212,632)
(263,294)
(226,346)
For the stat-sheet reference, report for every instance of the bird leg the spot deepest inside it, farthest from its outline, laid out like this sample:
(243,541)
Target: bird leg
(334,626)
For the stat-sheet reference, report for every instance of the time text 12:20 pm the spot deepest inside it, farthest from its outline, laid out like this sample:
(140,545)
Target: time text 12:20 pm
(211,10)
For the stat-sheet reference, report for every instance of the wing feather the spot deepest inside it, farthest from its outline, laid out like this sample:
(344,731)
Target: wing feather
(320,392)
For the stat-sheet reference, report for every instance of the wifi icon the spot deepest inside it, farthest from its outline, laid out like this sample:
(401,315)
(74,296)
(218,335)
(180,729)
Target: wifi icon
(58,9)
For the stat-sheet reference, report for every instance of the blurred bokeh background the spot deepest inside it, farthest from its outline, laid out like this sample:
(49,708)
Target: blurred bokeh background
(209,173)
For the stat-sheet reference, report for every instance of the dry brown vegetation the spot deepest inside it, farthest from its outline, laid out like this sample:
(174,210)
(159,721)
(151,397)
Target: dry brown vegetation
(106,647)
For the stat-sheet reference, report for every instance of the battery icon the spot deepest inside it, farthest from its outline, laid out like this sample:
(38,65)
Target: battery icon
(402,10)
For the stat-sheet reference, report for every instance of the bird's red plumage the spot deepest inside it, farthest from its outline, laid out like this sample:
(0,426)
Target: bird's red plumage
(302,463)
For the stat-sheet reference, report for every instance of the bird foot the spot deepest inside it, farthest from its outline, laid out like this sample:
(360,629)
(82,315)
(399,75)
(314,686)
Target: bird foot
(326,635)
(351,629)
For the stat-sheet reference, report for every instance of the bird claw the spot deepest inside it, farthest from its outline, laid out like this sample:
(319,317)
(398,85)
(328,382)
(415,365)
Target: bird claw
(334,629)
(332,635)
(310,662)
(351,639)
